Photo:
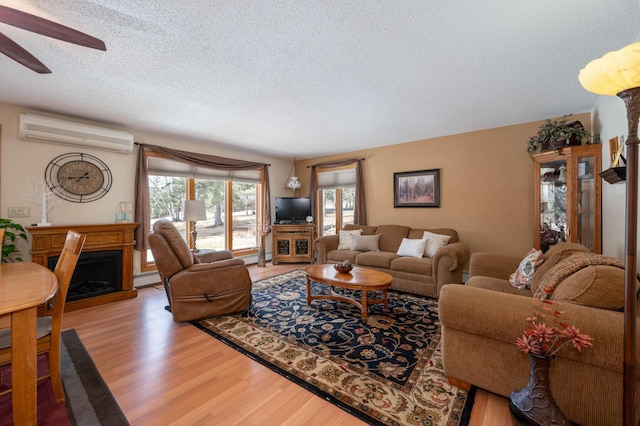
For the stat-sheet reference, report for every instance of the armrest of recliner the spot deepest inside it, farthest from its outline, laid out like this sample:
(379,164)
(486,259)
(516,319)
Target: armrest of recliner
(203,267)
(213,256)
(200,274)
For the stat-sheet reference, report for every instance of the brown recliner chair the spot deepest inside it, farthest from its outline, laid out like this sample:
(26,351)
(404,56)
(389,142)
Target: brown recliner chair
(198,287)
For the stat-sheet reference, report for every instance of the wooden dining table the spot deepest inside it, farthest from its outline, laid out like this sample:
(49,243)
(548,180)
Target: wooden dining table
(23,287)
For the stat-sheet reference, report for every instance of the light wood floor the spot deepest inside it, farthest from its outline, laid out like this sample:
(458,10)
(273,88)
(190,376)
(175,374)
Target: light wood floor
(162,372)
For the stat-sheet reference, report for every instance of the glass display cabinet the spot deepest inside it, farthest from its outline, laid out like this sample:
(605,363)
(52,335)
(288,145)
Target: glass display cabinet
(567,189)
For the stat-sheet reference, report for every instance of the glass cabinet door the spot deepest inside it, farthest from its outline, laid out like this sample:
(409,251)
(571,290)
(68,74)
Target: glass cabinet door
(553,203)
(586,202)
(568,205)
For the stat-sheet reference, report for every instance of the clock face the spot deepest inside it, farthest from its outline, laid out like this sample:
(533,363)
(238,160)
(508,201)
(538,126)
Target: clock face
(78,177)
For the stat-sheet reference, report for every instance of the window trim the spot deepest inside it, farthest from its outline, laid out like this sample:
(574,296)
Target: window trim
(338,196)
(147,265)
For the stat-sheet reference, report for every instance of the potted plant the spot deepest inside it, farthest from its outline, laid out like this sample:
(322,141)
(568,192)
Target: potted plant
(13,232)
(554,134)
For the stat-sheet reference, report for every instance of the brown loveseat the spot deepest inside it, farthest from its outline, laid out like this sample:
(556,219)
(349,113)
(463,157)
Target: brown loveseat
(213,283)
(423,276)
(481,320)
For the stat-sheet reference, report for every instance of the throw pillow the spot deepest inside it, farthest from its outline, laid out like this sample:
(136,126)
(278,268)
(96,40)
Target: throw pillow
(434,242)
(345,238)
(411,248)
(523,276)
(365,242)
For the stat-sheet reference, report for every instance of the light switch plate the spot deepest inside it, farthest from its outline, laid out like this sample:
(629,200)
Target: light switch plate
(19,212)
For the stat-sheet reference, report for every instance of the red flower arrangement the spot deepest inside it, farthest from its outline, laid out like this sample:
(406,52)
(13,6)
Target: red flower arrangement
(546,340)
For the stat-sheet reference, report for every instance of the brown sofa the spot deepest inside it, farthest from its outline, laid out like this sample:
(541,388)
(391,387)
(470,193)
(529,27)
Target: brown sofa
(423,276)
(202,286)
(481,320)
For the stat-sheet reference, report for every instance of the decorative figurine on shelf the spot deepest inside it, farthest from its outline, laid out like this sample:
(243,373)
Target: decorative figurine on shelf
(563,174)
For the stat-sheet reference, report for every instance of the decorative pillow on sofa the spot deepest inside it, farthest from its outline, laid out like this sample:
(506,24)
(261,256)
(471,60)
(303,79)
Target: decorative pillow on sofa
(365,242)
(523,276)
(345,238)
(434,242)
(411,248)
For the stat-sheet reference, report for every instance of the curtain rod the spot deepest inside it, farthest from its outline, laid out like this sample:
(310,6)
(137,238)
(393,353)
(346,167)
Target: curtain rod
(355,159)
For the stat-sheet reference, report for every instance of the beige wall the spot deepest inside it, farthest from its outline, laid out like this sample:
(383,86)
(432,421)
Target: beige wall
(486,189)
(23,159)
(486,180)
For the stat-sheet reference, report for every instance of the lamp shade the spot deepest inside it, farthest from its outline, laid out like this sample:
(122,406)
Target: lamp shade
(614,72)
(194,210)
(294,183)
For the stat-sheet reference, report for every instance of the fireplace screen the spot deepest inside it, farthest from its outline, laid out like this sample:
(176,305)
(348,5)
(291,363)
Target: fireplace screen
(97,273)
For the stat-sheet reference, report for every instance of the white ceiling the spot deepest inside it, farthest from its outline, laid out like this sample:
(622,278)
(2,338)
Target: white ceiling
(312,77)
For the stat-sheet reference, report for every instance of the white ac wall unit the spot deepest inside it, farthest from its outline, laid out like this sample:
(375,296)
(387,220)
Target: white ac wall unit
(44,129)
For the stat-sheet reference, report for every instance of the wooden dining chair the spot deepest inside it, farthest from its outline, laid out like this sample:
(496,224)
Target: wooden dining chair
(49,326)
(2,236)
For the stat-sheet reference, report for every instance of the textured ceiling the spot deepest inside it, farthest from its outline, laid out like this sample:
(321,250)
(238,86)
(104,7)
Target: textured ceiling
(312,77)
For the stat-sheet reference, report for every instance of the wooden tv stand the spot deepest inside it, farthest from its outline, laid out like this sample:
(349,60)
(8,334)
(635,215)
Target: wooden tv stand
(292,243)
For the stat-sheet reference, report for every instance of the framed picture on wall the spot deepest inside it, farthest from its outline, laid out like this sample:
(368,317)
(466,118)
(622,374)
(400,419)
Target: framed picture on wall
(416,189)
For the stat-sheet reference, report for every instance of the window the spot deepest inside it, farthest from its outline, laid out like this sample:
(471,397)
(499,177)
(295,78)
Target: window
(336,190)
(232,201)
(232,217)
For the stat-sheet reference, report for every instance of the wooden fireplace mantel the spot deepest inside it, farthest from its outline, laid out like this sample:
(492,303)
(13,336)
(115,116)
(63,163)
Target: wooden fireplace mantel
(47,241)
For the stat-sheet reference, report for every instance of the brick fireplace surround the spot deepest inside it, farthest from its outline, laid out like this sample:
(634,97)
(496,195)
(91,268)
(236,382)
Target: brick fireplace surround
(47,241)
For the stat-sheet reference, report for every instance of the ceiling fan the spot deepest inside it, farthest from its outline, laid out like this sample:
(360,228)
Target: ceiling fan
(26,21)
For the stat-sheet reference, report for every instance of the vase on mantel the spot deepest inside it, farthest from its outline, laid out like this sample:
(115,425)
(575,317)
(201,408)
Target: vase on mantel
(534,403)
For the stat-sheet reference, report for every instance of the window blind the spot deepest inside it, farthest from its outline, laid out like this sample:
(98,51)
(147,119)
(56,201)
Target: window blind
(337,179)
(165,167)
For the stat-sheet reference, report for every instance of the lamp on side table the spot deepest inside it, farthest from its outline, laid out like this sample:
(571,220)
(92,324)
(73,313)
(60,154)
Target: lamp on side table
(194,211)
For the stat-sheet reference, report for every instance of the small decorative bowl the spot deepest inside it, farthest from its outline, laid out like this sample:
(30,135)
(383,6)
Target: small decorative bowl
(338,267)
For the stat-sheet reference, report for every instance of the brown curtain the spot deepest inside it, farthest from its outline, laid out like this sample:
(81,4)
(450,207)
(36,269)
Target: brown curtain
(360,208)
(142,213)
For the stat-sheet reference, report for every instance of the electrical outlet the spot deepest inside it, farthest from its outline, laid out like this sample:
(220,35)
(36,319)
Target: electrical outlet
(19,212)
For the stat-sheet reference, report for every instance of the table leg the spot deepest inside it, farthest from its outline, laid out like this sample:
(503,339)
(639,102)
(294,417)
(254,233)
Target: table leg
(308,291)
(385,300)
(24,366)
(364,305)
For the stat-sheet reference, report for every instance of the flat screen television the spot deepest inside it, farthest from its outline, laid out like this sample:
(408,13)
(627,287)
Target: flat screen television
(292,209)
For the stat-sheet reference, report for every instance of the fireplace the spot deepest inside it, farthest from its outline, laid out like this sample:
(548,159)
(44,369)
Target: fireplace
(96,273)
(104,272)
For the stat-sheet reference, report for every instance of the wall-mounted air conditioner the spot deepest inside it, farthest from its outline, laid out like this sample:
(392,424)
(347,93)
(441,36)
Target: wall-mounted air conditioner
(44,129)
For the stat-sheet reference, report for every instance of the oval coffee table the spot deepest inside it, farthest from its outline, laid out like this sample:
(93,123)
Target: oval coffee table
(358,278)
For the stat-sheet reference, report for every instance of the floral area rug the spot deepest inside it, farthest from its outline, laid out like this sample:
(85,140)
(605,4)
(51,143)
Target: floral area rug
(387,371)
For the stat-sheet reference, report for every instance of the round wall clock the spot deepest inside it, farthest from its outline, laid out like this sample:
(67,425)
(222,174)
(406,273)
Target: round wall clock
(78,177)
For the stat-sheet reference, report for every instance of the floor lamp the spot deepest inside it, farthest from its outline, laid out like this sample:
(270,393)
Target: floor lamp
(618,74)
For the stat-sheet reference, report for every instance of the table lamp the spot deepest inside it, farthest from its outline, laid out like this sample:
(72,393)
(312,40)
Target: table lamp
(618,74)
(194,211)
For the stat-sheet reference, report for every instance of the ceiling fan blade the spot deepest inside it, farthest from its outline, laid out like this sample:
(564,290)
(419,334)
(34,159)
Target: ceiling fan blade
(19,54)
(26,21)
